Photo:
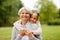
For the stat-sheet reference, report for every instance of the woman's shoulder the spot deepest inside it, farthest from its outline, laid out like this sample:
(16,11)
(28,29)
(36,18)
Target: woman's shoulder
(16,22)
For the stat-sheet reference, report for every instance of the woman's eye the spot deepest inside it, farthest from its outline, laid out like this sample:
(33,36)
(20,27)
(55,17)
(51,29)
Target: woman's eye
(22,13)
(27,13)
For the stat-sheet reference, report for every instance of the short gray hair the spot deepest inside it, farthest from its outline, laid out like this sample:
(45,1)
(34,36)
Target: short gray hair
(24,8)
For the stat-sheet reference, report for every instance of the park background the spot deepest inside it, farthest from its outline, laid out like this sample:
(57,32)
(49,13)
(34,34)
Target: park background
(49,18)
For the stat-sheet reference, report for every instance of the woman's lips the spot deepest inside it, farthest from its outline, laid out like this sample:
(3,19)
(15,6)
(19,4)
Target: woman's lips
(24,17)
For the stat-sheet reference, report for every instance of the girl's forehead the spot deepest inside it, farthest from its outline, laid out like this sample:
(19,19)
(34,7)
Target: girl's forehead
(34,14)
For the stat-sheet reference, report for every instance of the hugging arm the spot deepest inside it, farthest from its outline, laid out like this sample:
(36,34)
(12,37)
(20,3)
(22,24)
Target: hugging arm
(15,34)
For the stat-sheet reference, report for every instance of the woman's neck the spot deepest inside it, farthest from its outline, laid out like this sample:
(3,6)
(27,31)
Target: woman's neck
(23,22)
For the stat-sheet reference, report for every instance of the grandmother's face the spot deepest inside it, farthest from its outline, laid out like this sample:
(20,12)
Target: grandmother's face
(24,15)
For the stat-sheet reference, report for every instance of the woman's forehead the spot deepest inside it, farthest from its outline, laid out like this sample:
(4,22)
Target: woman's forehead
(24,10)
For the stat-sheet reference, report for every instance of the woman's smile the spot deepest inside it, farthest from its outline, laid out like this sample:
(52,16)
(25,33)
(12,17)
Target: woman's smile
(24,15)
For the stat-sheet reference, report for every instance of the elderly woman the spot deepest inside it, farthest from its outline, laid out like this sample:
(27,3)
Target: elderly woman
(23,25)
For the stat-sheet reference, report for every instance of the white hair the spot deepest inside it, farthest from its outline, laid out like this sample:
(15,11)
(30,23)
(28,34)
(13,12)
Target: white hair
(24,8)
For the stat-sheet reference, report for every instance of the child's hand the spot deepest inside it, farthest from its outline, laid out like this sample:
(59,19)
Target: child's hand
(22,32)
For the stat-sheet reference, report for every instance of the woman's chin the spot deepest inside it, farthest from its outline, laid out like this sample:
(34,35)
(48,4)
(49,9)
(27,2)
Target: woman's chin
(24,19)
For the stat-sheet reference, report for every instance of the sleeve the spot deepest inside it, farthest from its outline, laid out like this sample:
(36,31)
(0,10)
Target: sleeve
(39,29)
(37,33)
(19,28)
(18,37)
(14,33)
(34,38)
(17,25)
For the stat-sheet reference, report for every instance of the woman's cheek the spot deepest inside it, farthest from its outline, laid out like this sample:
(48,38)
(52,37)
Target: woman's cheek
(28,16)
(21,15)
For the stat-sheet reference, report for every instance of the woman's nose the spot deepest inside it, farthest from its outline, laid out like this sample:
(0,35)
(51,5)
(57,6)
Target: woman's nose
(24,14)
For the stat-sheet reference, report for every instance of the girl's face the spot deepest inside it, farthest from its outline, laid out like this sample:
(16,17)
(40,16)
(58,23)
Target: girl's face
(24,15)
(34,18)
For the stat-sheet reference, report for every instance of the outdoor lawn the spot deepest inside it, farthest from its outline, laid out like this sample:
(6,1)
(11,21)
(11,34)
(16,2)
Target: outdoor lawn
(48,32)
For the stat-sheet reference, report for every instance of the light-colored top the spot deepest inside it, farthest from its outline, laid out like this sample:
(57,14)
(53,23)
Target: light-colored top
(15,31)
(35,27)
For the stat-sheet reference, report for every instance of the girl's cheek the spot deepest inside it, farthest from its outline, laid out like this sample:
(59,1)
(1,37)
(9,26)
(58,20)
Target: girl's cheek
(34,20)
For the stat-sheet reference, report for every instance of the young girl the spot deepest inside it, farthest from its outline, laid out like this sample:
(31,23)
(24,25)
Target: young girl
(34,21)
(35,26)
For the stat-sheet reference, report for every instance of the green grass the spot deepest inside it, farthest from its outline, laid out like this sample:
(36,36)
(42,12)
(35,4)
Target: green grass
(49,33)
(5,33)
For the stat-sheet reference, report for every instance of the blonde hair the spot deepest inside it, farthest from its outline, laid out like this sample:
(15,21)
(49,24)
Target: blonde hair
(24,8)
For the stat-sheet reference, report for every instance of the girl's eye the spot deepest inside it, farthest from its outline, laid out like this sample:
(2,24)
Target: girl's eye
(34,18)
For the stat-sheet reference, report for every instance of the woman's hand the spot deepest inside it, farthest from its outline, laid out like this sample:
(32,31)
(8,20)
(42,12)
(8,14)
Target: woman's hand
(29,33)
(22,32)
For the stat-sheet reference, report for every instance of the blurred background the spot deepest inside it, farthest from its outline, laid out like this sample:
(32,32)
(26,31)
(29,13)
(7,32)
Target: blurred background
(49,11)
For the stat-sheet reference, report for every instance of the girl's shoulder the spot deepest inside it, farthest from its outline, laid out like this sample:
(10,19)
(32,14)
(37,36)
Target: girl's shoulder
(38,22)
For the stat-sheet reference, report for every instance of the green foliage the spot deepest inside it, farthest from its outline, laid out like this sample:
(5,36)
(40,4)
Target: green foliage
(59,13)
(48,11)
(8,9)
(54,22)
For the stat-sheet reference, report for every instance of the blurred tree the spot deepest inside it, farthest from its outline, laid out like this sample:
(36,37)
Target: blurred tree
(48,10)
(59,13)
(8,10)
